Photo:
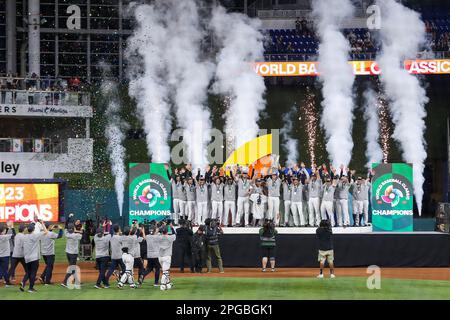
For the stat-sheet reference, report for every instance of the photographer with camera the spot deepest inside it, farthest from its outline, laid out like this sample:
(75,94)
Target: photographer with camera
(212,243)
(199,249)
(325,242)
(184,239)
(267,236)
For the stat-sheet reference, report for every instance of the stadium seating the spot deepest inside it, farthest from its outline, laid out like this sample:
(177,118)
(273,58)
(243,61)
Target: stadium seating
(290,45)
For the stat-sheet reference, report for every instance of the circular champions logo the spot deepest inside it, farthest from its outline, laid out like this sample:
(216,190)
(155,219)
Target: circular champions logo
(392,192)
(150,192)
(149,196)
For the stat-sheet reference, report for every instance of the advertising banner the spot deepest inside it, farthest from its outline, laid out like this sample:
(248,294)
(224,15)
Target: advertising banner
(360,68)
(392,197)
(150,192)
(26,110)
(22,202)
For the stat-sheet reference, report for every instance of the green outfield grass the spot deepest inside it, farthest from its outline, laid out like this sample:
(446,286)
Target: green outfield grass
(248,288)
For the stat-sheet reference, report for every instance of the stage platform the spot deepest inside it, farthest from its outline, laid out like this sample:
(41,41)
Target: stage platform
(295,230)
(353,247)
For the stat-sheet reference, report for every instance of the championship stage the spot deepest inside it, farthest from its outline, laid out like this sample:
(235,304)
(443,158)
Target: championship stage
(353,247)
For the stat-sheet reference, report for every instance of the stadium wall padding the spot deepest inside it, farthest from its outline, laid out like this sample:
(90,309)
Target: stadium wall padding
(84,203)
(350,250)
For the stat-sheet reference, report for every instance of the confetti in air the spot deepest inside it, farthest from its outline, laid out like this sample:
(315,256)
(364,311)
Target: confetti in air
(115,136)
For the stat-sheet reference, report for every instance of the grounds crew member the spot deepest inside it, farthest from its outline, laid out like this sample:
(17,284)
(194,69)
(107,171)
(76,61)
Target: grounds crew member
(48,252)
(212,244)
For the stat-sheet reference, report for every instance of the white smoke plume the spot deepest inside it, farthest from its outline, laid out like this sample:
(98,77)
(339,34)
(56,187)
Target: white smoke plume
(402,34)
(241,44)
(189,75)
(114,133)
(146,63)
(374,153)
(337,78)
(290,144)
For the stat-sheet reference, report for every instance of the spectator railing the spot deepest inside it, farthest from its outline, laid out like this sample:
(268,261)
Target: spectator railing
(34,145)
(353,56)
(17,83)
(62,98)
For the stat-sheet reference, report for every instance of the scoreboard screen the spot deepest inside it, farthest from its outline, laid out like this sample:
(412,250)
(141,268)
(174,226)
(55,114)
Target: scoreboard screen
(25,202)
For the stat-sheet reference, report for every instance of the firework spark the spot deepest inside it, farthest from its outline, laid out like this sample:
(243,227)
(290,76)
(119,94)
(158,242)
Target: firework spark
(308,110)
(385,128)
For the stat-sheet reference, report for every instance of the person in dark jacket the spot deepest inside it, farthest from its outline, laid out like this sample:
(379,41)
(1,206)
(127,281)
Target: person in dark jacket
(325,243)
(184,239)
(199,249)
(212,243)
(268,245)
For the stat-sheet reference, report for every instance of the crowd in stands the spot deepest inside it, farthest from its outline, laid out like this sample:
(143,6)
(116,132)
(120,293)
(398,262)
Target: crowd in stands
(302,42)
(39,90)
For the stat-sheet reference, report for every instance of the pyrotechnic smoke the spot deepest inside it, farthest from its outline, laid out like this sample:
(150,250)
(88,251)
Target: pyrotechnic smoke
(290,144)
(241,45)
(115,136)
(374,153)
(189,76)
(402,34)
(337,78)
(145,54)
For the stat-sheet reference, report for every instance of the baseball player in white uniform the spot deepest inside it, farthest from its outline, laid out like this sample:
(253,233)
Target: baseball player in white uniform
(229,191)
(273,186)
(326,207)
(217,200)
(314,187)
(243,203)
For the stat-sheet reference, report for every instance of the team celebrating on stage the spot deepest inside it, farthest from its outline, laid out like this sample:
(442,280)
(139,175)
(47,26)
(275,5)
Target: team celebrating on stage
(305,196)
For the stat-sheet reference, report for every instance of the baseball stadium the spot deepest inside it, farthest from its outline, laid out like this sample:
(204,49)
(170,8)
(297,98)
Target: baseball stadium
(224,150)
